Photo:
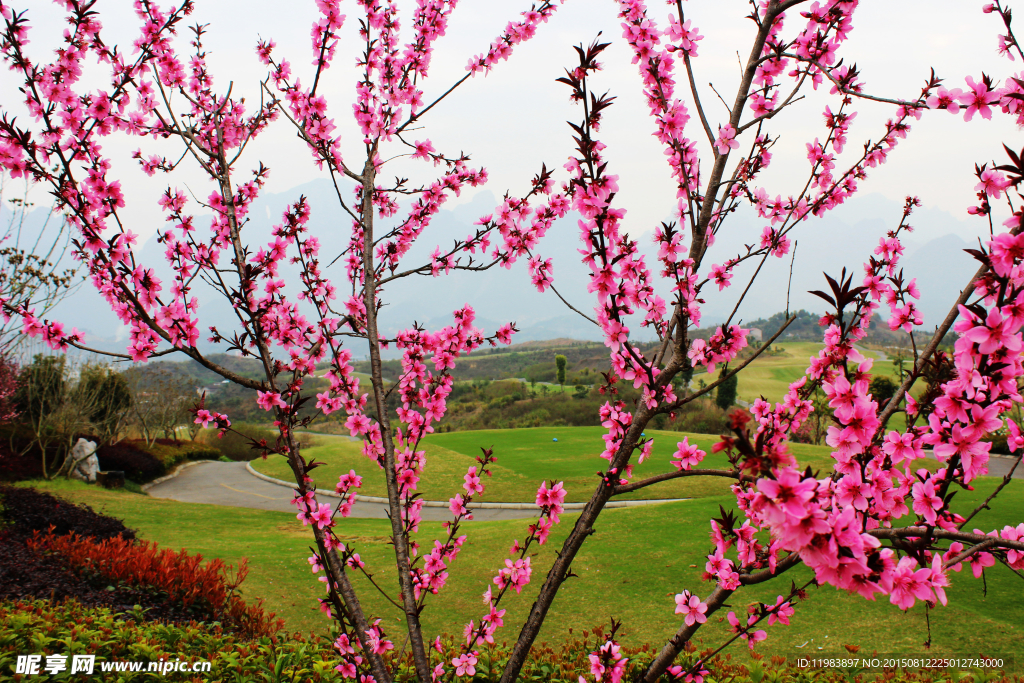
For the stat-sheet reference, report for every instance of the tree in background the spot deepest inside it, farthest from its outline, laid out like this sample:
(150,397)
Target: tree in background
(112,403)
(882,389)
(560,363)
(9,372)
(43,386)
(160,401)
(41,392)
(33,274)
(725,397)
(58,403)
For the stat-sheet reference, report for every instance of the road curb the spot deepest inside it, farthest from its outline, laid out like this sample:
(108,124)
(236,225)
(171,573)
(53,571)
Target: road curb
(173,473)
(472,506)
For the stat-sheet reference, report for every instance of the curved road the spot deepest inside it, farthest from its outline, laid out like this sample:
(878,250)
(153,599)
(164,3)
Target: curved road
(229,483)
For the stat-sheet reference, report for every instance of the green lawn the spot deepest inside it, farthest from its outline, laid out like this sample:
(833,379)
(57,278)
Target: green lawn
(770,376)
(629,569)
(525,458)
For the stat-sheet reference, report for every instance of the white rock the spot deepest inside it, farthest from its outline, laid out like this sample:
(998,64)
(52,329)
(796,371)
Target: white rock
(84,454)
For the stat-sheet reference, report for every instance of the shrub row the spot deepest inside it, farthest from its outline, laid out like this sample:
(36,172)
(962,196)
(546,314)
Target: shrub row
(204,590)
(54,549)
(236,444)
(26,575)
(140,462)
(45,628)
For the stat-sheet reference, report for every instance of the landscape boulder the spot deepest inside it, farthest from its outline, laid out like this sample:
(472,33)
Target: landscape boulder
(85,463)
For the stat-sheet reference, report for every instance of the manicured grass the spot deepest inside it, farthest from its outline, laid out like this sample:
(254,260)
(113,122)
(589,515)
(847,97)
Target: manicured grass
(525,458)
(770,376)
(629,569)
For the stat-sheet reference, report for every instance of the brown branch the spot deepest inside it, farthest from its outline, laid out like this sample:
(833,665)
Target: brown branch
(770,115)
(846,91)
(1002,485)
(571,307)
(923,531)
(743,91)
(715,601)
(940,332)
(668,476)
(696,97)
(120,356)
(675,644)
(970,552)
(415,117)
(400,538)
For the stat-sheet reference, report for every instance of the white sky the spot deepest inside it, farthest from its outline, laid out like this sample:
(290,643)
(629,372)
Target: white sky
(513,119)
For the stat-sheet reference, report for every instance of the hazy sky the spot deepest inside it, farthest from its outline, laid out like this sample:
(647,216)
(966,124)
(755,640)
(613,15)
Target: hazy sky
(513,119)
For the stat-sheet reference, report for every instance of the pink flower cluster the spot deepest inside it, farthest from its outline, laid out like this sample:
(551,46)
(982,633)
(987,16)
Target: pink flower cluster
(607,665)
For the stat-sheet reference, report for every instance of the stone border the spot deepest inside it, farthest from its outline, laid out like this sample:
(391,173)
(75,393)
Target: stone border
(472,506)
(173,473)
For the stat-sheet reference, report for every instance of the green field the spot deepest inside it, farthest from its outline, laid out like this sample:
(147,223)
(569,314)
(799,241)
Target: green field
(629,569)
(525,458)
(770,376)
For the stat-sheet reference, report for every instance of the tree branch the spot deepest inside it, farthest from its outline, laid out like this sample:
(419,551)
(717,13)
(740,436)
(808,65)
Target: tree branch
(940,332)
(669,476)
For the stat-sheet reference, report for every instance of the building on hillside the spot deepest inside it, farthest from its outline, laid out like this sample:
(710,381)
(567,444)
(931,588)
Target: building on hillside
(755,334)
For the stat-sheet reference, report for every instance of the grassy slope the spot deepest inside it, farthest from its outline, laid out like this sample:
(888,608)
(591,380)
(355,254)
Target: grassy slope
(770,376)
(525,458)
(629,569)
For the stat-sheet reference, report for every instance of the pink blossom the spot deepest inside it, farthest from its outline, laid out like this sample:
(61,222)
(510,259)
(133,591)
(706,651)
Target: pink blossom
(726,139)
(268,400)
(978,97)
(465,664)
(691,607)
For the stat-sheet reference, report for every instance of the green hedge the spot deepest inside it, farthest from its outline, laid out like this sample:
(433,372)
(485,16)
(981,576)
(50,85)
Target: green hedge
(235,444)
(69,628)
(171,454)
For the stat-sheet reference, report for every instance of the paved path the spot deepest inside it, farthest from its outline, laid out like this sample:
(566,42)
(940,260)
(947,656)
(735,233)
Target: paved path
(229,483)
(999,465)
(881,357)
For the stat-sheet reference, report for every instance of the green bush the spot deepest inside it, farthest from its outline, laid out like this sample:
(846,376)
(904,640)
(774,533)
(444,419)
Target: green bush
(170,453)
(506,400)
(882,389)
(560,362)
(504,387)
(235,444)
(1000,444)
(69,628)
(725,397)
(540,372)
(700,417)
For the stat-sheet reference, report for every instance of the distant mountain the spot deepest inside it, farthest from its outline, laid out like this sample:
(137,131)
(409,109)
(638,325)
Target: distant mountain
(843,238)
(846,238)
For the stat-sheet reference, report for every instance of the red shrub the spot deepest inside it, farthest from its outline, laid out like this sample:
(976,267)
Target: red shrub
(205,589)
